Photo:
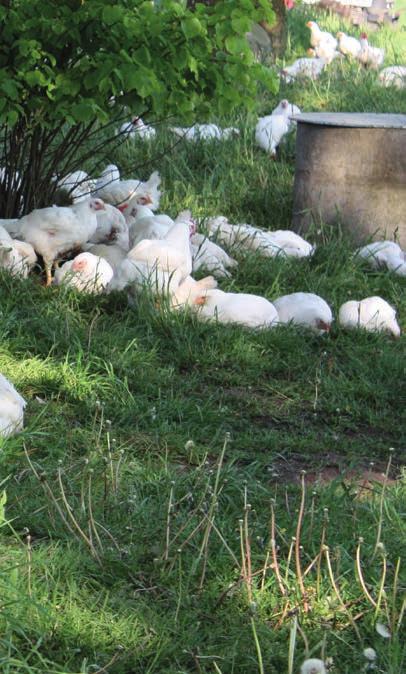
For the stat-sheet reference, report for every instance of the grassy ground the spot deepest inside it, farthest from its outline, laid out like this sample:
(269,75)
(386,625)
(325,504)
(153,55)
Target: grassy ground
(162,457)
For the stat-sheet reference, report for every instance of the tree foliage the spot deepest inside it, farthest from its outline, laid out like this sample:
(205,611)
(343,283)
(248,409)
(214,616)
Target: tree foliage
(71,65)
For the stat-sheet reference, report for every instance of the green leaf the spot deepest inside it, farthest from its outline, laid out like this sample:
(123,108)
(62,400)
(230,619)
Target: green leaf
(83,112)
(236,45)
(112,14)
(192,27)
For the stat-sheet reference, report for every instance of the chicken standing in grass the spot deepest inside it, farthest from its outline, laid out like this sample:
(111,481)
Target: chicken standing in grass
(270,130)
(292,110)
(318,37)
(11,409)
(59,229)
(372,57)
(349,46)
(373,314)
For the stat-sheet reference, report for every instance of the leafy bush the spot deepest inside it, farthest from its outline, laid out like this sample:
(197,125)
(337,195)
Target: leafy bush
(69,70)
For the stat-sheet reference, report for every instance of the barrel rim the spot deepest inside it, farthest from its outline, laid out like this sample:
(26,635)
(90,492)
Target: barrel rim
(353,119)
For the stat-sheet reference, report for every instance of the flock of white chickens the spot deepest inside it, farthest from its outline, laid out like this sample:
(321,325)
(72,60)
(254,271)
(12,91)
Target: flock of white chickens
(117,241)
(325,48)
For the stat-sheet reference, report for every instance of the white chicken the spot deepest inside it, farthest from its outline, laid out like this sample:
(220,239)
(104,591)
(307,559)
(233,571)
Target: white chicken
(86,272)
(292,109)
(109,175)
(370,56)
(204,132)
(387,254)
(304,309)
(189,290)
(125,194)
(304,67)
(324,51)
(251,311)
(210,256)
(160,263)
(373,314)
(112,253)
(77,185)
(111,227)
(349,46)
(136,129)
(17,257)
(393,76)
(56,230)
(317,36)
(11,409)
(145,224)
(270,130)
(267,243)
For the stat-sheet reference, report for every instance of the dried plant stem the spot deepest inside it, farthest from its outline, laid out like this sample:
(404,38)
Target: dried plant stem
(29,563)
(275,562)
(258,647)
(297,545)
(73,520)
(168,523)
(322,545)
(401,614)
(49,492)
(203,553)
(292,644)
(360,574)
(381,503)
(264,569)
(381,590)
(394,593)
(289,559)
(337,591)
(247,546)
(90,511)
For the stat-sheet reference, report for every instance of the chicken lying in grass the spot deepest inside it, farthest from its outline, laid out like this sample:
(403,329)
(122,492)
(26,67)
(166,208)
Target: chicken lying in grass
(125,194)
(304,309)
(384,254)
(208,255)
(251,311)
(373,314)
(112,228)
(204,132)
(86,272)
(145,224)
(267,243)
(112,253)
(303,68)
(393,76)
(11,409)
(16,257)
(136,129)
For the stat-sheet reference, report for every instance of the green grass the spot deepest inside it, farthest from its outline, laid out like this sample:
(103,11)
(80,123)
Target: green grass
(117,475)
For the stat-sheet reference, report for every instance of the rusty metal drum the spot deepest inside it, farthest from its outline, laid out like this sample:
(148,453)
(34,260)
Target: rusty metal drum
(351,169)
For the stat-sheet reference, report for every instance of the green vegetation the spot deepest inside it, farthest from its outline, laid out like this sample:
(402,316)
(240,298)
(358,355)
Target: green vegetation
(153,497)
